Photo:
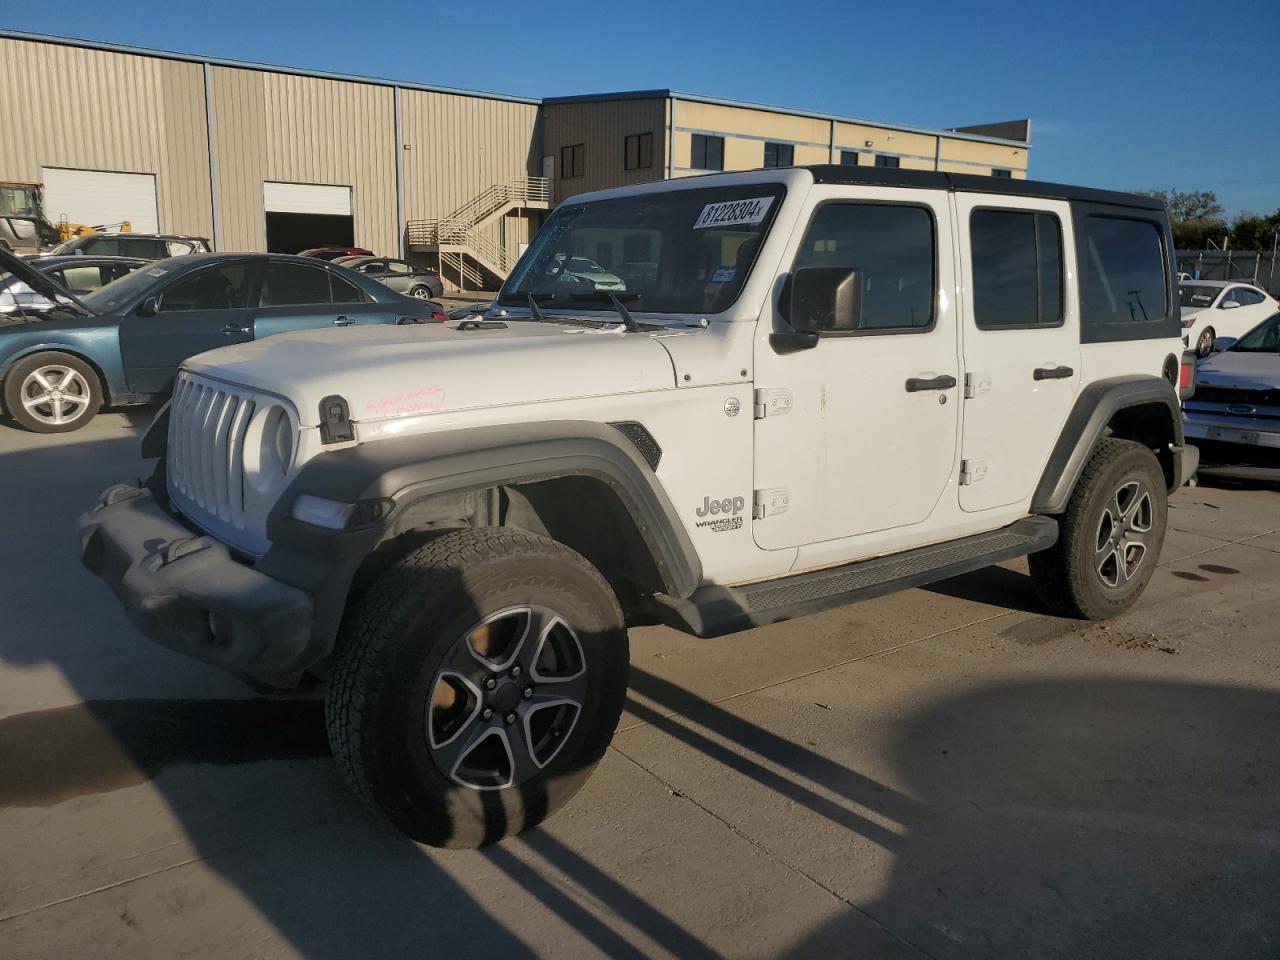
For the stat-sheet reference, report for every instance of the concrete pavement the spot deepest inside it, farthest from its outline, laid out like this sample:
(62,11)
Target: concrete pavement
(941,773)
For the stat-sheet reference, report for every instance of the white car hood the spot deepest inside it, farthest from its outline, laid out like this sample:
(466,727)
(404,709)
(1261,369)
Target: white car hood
(1241,369)
(388,371)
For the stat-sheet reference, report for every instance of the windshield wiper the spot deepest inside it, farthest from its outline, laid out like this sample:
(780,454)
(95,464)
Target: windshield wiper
(616,301)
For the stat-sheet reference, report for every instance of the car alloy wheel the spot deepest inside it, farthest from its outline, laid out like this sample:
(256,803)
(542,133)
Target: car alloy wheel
(55,395)
(1204,345)
(506,698)
(1123,529)
(420,293)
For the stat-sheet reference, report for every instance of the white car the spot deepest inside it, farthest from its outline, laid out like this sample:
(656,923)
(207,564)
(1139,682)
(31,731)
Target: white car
(1221,308)
(833,382)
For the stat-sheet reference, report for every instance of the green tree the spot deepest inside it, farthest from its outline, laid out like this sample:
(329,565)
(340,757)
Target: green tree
(1252,232)
(1195,216)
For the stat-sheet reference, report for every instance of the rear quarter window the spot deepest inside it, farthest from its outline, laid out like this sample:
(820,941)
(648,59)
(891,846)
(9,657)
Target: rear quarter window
(1124,278)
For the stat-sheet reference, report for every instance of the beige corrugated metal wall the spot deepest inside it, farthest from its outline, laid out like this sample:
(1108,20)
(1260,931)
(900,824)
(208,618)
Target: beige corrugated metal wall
(602,128)
(460,146)
(277,126)
(65,106)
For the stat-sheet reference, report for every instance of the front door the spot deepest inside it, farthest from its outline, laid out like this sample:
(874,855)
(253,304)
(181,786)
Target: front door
(1021,343)
(858,433)
(200,311)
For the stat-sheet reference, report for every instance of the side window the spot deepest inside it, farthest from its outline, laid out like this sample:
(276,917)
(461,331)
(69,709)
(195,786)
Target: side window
(101,247)
(344,291)
(293,284)
(118,270)
(892,246)
(373,266)
(398,266)
(82,279)
(1124,278)
(1017,269)
(215,288)
(177,248)
(147,247)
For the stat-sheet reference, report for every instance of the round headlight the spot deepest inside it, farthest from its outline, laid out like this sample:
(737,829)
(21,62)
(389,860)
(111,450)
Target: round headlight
(276,445)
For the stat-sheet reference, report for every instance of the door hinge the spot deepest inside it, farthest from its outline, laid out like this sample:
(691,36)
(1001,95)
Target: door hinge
(976,383)
(971,471)
(771,402)
(770,502)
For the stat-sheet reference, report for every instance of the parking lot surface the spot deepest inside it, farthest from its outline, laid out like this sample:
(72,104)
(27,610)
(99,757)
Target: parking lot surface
(941,773)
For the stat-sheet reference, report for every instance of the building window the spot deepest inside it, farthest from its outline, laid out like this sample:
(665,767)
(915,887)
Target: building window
(848,158)
(998,172)
(779,154)
(638,151)
(708,153)
(886,161)
(571,161)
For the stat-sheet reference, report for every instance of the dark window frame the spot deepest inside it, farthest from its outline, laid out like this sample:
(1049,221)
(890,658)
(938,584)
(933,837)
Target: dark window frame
(575,155)
(1166,328)
(850,158)
(640,140)
(707,139)
(1003,172)
(888,161)
(780,150)
(1062,271)
(936,264)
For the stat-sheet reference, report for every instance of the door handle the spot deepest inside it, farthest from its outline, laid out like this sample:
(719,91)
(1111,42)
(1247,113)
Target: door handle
(343,322)
(231,328)
(1052,373)
(944,382)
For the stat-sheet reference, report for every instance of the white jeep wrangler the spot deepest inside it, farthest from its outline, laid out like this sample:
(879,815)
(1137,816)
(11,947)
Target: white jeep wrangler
(815,385)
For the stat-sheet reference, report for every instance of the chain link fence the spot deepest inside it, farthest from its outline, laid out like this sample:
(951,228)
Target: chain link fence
(1260,268)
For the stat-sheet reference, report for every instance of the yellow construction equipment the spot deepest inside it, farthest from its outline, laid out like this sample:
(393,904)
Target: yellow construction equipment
(67,230)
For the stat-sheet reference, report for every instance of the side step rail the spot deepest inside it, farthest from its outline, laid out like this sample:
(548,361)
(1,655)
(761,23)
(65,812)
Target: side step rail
(713,611)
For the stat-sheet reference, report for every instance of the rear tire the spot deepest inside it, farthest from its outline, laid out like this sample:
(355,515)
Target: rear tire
(420,293)
(52,392)
(1110,537)
(1204,343)
(477,683)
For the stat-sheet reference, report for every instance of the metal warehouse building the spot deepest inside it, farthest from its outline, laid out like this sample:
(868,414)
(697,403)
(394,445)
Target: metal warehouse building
(273,158)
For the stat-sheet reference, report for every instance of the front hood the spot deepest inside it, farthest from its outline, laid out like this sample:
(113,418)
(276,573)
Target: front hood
(385,372)
(1241,369)
(41,283)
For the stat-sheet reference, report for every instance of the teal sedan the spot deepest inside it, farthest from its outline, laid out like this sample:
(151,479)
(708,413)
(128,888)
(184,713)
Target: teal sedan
(123,344)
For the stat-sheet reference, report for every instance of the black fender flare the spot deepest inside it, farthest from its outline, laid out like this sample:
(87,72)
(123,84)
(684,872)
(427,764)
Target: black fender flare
(1094,408)
(404,472)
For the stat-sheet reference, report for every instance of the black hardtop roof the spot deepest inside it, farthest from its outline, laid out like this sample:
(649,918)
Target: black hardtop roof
(975,183)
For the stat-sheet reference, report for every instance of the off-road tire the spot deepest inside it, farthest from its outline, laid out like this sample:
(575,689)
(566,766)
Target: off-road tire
(397,637)
(1065,575)
(89,389)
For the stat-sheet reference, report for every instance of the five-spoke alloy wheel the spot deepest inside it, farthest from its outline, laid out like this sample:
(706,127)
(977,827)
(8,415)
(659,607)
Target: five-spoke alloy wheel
(1109,537)
(477,682)
(52,393)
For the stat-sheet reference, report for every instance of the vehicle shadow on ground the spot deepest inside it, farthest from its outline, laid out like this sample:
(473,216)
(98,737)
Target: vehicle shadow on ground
(1088,818)
(993,586)
(249,779)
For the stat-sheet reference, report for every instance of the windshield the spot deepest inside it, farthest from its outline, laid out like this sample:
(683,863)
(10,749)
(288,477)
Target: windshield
(119,293)
(1264,338)
(1197,294)
(681,251)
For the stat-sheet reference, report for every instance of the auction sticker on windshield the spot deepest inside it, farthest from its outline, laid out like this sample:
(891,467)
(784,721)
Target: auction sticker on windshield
(733,213)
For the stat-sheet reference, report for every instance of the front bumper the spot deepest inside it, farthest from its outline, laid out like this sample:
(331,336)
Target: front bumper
(187,592)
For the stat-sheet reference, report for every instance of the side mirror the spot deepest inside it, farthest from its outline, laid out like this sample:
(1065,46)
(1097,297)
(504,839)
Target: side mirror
(1229,305)
(149,307)
(825,300)
(1224,343)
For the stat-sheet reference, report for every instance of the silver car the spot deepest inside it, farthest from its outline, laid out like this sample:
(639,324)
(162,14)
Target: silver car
(400,275)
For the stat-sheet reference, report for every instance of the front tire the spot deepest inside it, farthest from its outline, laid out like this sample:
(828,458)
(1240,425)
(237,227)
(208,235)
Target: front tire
(1110,537)
(52,392)
(1204,343)
(477,683)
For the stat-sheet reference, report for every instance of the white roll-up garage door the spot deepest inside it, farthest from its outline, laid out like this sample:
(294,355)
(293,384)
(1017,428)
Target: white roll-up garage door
(97,198)
(306,198)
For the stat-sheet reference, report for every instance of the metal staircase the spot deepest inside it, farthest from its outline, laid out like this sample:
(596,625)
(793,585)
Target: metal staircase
(466,249)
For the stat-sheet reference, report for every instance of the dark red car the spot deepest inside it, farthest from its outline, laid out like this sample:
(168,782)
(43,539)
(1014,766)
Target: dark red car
(333,253)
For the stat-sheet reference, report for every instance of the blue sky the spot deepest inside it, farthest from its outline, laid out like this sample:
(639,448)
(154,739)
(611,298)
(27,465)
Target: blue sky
(1121,94)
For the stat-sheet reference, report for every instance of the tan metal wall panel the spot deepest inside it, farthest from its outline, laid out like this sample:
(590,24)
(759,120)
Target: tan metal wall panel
(978,156)
(68,106)
(602,128)
(460,146)
(277,126)
(716,118)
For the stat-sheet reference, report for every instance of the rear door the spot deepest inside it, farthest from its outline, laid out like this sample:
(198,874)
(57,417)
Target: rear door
(209,307)
(1021,342)
(302,296)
